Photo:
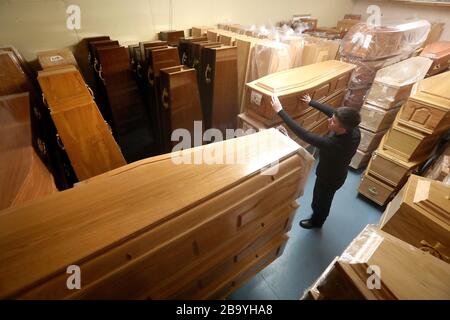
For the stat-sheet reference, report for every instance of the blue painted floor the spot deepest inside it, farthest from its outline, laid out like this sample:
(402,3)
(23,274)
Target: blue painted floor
(309,252)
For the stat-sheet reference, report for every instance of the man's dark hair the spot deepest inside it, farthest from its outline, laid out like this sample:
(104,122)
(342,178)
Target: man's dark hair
(348,117)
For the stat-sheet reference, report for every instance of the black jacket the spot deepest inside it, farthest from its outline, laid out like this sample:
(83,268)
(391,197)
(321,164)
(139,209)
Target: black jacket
(336,151)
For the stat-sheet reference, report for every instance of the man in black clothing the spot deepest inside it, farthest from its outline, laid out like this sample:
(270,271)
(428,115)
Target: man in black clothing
(336,151)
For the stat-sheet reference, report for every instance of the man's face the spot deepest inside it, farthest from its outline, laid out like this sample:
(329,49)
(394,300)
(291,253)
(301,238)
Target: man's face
(335,126)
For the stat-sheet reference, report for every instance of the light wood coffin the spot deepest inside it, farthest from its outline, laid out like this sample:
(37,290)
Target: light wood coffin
(360,159)
(376,119)
(12,79)
(23,176)
(370,140)
(378,266)
(230,224)
(180,103)
(390,168)
(428,110)
(53,58)
(321,81)
(375,190)
(83,132)
(420,215)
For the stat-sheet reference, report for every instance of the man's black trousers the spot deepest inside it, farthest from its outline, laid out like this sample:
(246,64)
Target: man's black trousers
(323,194)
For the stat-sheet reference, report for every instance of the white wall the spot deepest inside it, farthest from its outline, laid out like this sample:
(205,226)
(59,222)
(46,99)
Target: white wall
(36,25)
(392,11)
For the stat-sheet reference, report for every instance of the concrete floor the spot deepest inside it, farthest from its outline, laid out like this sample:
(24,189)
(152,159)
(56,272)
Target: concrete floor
(309,252)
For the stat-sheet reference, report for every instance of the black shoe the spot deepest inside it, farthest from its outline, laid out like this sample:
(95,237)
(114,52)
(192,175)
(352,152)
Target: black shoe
(308,224)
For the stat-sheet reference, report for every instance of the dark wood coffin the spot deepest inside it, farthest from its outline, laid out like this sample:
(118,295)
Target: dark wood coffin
(439,52)
(172,37)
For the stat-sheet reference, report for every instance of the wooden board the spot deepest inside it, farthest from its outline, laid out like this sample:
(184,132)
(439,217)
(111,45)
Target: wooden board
(421,226)
(156,232)
(23,176)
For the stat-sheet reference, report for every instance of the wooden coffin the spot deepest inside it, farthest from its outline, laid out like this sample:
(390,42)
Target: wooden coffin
(429,109)
(12,79)
(408,143)
(129,115)
(180,101)
(23,176)
(172,36)
(219,80)
(376,119)
(53,58)
(212,35)
(93,46)
(393,84)
(152,246)
(81,129)
(439,52)
(420,215)
(391,169)
(268,57)
(93,39)
(360,159)
(403,272)
(185,49)
(245,46)
(371,43)
(375,190)
(314,53)
(143,63)
(370,140)
(200,31)
(321,81)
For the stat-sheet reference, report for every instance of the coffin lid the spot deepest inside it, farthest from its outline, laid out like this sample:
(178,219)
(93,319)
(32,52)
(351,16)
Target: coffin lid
(436,50)
(434,90)
(301,78)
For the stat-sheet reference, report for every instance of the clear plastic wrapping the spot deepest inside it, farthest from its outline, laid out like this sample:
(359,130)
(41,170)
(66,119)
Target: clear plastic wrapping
(269,57)
(376,119)
(387,40)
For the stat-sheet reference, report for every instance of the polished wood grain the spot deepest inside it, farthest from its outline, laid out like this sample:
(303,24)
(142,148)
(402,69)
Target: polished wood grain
(150,212)
(439,52)
(23,176)
(172,36)
(375,190)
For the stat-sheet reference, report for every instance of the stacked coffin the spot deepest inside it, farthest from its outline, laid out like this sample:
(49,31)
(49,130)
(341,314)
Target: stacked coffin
(378,266)
(371,48)
(231,224)
(325,82)
(23,176)
(17,77)
(391,87)
(416,131)
(439,52)
(81,130)
(54,58)
(420,215)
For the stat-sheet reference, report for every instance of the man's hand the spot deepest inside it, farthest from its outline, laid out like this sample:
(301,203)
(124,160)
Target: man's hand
(283,130)
(306,98)
(276,104)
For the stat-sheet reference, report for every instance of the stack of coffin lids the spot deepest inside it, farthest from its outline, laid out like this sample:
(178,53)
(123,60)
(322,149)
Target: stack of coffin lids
(439,52)
(18,77)
(417,129)
(420,215)
(374,47)
(378,266)
(325,82)
(23,176)
(230,225)
(391,87)
(122,104)
(82,132)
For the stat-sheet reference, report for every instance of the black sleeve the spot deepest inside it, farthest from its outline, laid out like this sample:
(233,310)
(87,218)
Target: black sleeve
(305,135)
(325,108)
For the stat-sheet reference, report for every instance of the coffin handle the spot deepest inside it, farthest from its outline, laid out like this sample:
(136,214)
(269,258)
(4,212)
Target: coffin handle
(184,58)
(151,81)
(373,191)
(437,67)
(44,101)
(59,142)
(100,73)
(138,70)
(208,73)
(41,146)
(96,65)
(165,96)
(90,91)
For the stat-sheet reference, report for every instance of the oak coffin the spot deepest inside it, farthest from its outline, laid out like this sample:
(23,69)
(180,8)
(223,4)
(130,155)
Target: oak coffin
(420,215)
(375,190)
(54,58)
(149,241)
(376,119)
(406,273)
(320,81)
